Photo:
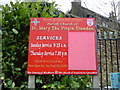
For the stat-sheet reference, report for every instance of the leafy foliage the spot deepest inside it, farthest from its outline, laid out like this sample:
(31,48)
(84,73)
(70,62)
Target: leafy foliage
(0,15)
(69,81)
(15,23)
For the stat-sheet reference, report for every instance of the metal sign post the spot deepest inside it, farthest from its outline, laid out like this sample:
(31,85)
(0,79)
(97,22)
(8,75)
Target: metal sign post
(31,81)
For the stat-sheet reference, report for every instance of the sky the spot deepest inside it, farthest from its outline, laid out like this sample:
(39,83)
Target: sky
(102,7)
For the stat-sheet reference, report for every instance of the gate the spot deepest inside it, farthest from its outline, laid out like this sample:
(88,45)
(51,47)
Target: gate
(108,57)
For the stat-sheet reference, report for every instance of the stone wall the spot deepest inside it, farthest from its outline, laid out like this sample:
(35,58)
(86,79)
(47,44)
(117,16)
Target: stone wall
(80,11)
(0,57)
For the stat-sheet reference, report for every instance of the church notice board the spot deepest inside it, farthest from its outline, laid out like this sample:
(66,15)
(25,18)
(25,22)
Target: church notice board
(65,46)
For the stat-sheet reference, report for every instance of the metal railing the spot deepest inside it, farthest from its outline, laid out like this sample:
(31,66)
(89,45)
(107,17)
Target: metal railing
(108,57)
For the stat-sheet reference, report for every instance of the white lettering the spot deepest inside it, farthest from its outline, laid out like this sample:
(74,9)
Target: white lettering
(49,38)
